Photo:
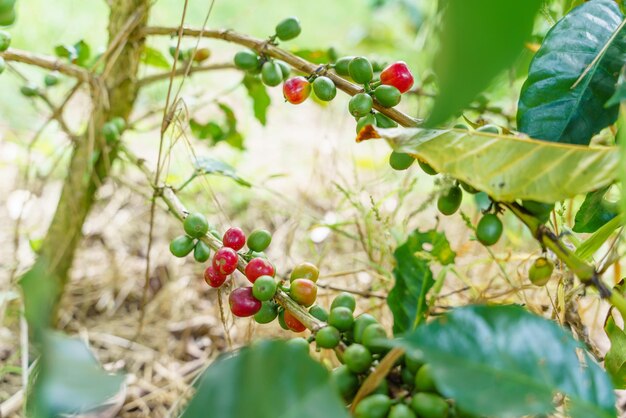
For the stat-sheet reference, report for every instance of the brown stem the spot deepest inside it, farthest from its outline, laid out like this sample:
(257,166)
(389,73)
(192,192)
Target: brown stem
(44,61)
(296,62)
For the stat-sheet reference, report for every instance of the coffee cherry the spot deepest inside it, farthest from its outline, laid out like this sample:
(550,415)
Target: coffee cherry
(246,60)
(196,225)
(327,337)
(427,168)
(110,132)
(264,288)
(342,66)
(357,358)
(401,411)
(383,121)
(285,69)
(491,129)
(374,337)
(119,123)
(259,240)
(397,75)
(201,252)
(293,323)
(428,405)
(319,313)
(360,323)
(341,318)
(374,406)
(469,189)
(299,344)
(234,238)
(303,291)
(400,161)
(360,105)
(296,90)
(271,74)
(305,271)
(5,40)
(258,267)
(267,313)
(213,278)
(7,5)
(7,18)
(324,88)
(541,271)
(181,246)
(450,201)
(281,319)
(369,119)
(413,361)
(225,261)
(361,70)
(424,380)
(346,382)
(489,229)
(461,126)
(29,90)
(201,54)
(344,299)
(288,29)
(539,210)
(243,303)
(387,96)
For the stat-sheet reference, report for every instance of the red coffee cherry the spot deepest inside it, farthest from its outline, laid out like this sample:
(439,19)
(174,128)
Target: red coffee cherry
(293,323)
(296,90)
(225,261)
(243,303)
(303,291)
(213,278)
(234,238)
(258,267)
(397,75)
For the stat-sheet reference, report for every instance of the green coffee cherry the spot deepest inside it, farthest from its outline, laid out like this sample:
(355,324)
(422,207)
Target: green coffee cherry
(5,40)
(491,129)
(51,79)
(110,132)
(361,70)
(319,313)
(489,229)
(401,411)
(196,225)
(271,74)
(374,338)
(7,18)
(342,64)
(387,96)
(344,299)
(201,252)
(119,123)
(327,337)
(30,90)
(181,246)
(341,318)
(400,161)
(360,323)
(424,380)
(427,168)
(541,271)
(450,201)
(267,313)
(285,69)
(346,382)
(360,105)
(259,240)
(428,405)
(324,88)
(288,29)
(358,358)
(374,406)
(246,60)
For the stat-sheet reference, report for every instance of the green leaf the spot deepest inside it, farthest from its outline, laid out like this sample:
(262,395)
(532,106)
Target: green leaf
(504,361)
(260,99)
(66,51)
(480,38)
(218,133)
(70,380)
(505,167)
(154,58)
(208,165)
(615,359)
(549,107)
(40,290)
(413,277)
(594,212)
(270,379)
(620,92)
(592,244)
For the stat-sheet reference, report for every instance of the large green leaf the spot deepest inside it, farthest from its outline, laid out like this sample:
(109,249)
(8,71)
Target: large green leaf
(155,58)
(226,132)
(587,249)
(480,38)
(70,379)
(270,379)
(413,277)
(505,167)
(504,361)
(260,99)
(595,212)
(615,359)
(550,107)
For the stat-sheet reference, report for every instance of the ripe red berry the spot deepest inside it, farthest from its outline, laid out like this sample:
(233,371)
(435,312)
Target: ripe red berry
(234,238)
(213,278)
(303,291)
(296,90)
(225,261)
(293,323)
(258,267)
(243,303)
(397,75)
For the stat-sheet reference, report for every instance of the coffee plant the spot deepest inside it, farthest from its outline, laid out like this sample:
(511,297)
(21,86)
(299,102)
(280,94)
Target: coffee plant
(481,360)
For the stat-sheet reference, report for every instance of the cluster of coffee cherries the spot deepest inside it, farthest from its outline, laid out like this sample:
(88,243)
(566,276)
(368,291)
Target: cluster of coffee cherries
(360,342)
(272,71)
(196,226)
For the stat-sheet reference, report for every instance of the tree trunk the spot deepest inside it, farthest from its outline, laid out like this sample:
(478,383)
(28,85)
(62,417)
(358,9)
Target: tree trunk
(92,157)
